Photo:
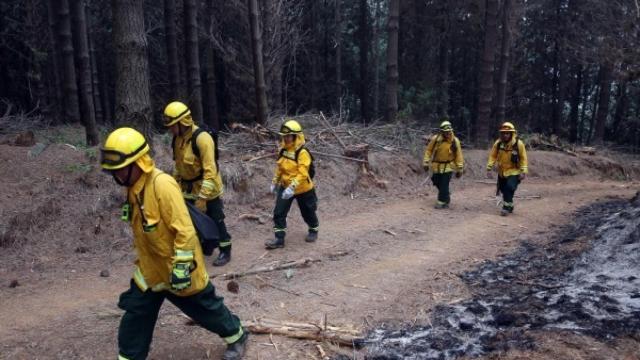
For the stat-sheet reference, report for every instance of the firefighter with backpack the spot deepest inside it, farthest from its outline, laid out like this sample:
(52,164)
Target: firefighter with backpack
(443,156)
(510,155)
(196,169)
(169,260)
(293,180)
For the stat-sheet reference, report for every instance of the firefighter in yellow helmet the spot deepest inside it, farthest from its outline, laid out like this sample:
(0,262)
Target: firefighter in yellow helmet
(293,180)
(169,261)
(197,172)
(510,155)
(443,156)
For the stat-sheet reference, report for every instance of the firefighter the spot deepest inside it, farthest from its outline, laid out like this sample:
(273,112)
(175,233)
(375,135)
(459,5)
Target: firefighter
(443,156)
(293,180)
(196,170)
(510,155)
(170,263)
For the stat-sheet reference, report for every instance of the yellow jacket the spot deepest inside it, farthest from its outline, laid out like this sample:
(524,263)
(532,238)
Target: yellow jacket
(163,233)
(439,155)
(501,153)
(291,173)
(189,166)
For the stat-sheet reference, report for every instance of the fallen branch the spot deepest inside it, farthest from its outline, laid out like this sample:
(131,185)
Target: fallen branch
(339,157)
(347,336)
(333,131)
(277,266)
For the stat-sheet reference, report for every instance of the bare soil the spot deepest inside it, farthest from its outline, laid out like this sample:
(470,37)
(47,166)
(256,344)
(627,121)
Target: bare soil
(60,229)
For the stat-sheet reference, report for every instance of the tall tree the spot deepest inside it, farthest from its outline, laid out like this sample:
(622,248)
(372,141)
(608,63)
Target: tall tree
(485,77)
(193,58)
(337,16)
(212,96)
(363,44)
(56,93)
(392,61)
(69,84)
(258,64)
(81,46)
(171,43)
(443,60)
(505,54)
(576,98)
(605,78)
(133,103)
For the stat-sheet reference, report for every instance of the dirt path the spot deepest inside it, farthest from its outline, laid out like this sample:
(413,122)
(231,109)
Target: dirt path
(398,275)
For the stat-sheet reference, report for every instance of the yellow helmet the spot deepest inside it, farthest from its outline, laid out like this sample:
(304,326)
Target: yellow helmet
(122,147)
(507,127)
(174,112)
(290,127)
(445,126)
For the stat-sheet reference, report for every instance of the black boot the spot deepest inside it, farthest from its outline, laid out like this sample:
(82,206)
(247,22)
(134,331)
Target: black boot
(277,242)
(312,236)
(236,350)
(223,258)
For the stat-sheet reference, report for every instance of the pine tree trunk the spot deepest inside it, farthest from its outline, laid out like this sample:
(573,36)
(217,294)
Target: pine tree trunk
(106,97)
(443,62)
(575,105)
(193,59)
(392,61)
(603,102)
(95,82)
(133,103)
(258,65)
(56,94)
(338,41)
(171,42)
(376,57)
(504,62)
(485,78)
(621,109)
(81,46)
(212,99)
(69,85)
(363,44)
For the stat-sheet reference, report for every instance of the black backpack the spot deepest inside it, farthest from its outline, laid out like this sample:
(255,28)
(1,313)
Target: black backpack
(194,145)
(206,229)
(312,166)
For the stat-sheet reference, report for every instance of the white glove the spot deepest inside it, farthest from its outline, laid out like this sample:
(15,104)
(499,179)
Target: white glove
(287,193)
(272,189)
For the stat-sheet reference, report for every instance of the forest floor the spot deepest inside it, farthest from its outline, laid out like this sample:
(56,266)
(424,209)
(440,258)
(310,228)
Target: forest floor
(387,256)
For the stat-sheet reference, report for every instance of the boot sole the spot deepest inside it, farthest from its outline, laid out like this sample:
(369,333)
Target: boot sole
(273,247)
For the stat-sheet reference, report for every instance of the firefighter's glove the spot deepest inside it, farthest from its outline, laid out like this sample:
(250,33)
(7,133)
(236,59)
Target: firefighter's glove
(201,204)
(287,193)
(458,174)
(426,168)
(181,276)
(272,189)
(489,174)
(522,176)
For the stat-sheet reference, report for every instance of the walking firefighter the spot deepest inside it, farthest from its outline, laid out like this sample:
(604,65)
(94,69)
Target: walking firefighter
(443,156)
(195,154)
(169,260)
(510,157)
(293,179)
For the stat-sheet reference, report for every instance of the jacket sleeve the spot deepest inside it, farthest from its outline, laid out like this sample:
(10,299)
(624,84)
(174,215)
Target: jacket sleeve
(459,160)
(493,156)
(524,161)
(174,213)
(426,161)
(304,162)
(204,141)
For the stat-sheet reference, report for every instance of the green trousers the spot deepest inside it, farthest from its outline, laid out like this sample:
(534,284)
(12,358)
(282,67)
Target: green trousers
(141,312)
(215,210)
(508,186)
(308,204)
(441,182)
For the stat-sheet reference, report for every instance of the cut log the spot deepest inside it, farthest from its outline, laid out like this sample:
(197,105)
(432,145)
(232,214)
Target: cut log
(358,151)
(277,266)
(347,336)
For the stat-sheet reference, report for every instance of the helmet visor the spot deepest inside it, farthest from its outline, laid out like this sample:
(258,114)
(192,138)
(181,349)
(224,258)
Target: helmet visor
(114,159)
(170,120)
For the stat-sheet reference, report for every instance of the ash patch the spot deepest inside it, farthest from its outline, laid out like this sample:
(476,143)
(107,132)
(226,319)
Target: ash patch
(564,285)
